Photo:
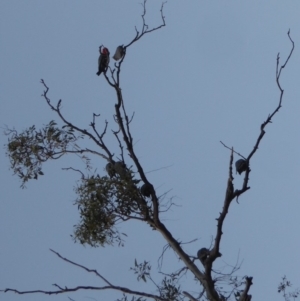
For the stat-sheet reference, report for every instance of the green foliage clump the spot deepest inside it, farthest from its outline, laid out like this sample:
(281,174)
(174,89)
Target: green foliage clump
(169,289)
(284,288)
(29,149)
(104,202)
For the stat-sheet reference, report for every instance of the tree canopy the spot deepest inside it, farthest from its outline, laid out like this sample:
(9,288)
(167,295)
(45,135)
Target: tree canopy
(123,192)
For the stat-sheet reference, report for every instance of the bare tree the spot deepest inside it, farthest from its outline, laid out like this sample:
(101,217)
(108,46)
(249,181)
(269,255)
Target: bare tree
(126,193)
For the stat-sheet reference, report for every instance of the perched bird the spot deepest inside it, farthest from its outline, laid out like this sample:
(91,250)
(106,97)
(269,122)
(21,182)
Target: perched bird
(103,60)
(120,51)
(203,254)
(110,169)
(120,169)
(241,165)
(146,190)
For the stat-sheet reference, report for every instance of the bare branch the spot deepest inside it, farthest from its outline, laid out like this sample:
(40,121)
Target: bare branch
(120,144)
(244,296)
(71,168)
(145,29)
(93,125)
(107,79)
(231,194)
(269,119)
(83,131)
(80,151)
(245,187)
(215,252)
(138,35)
(65,289)
(189,296)
(233,150)
(77,288)
(81,266)
(286,61)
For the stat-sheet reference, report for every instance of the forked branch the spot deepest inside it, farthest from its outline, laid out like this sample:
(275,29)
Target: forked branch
(145,28)
(139,34)
(231,194)
(98,140)
(65,289)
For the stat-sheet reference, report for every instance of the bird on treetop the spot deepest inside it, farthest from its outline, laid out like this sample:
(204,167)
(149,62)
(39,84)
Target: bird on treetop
(120,51)
(103,60)
(241,165)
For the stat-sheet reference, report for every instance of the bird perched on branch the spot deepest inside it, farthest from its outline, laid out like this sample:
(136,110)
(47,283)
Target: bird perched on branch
(146,190)
(241,165)
(103,60)
(120,51)
(203,254)
(110,169)
(117,168)
(121,169)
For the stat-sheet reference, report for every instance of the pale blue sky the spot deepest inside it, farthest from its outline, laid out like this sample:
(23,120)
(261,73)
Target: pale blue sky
(209,75)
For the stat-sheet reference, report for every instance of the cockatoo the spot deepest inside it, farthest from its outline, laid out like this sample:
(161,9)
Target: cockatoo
(120,51)
(103,60)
